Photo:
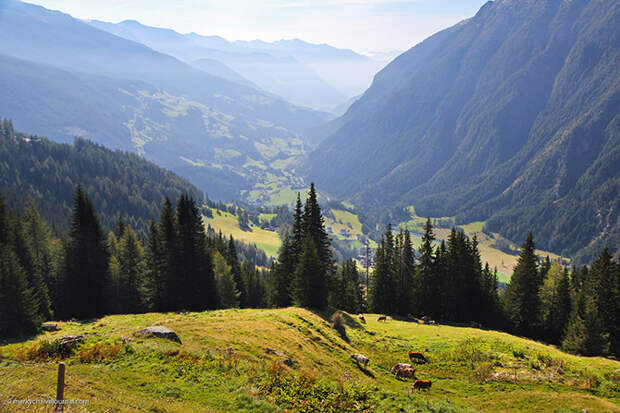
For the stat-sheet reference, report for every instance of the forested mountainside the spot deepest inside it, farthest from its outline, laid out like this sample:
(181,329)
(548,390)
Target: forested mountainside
(34,168)
(222,135)
(512,116)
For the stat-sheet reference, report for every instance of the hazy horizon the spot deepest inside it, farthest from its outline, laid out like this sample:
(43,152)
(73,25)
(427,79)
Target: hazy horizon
(361,25)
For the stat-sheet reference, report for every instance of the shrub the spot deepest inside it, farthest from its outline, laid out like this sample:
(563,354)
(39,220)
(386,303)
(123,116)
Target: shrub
(99,352)
(483,372)
(591,380)
(339,325)
(468,351)
(305,393)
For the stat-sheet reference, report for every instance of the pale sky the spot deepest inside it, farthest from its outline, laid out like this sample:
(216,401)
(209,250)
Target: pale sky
(361,25)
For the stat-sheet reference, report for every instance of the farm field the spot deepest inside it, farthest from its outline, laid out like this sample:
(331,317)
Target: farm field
(503,261)
(228,223)
(271,360)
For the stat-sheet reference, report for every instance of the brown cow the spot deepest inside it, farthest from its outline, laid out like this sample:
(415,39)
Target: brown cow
(422,384)
(398,367)
(406,373)
(417,356)
(360,359)
(382,318)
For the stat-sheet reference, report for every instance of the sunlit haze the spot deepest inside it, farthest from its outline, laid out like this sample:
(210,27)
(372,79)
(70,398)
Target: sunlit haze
(361,25)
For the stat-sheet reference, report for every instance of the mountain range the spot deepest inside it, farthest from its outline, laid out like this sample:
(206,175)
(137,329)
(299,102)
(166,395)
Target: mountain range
(313,75)
(511,117)
(63,78)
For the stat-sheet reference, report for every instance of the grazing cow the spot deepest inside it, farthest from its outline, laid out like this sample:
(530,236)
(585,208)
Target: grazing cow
(398,367)
(405,373)
(362,319)
(382,318)
(417,356)
(360,359)
(422,384)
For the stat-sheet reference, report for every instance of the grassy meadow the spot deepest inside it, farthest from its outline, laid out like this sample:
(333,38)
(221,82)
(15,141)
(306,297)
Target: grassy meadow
(228,223)
(293,360)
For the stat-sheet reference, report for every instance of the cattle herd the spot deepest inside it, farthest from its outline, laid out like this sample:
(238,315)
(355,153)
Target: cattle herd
(400,370)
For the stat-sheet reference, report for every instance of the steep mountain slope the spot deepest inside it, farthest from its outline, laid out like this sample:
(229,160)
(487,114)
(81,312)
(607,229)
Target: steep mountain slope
(118,182)
(225,136)
(511,116)
(279,73)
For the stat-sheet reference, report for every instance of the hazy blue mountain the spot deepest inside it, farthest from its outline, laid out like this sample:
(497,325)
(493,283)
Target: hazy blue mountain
(61,77)
(317,75)
(279,73)
(512,116)
(172,43)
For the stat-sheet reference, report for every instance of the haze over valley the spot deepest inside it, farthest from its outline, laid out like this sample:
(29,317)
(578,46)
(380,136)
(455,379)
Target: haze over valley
(335,205)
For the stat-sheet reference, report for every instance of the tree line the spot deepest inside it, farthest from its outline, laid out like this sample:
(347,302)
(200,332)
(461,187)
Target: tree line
(85,273)
(576,309)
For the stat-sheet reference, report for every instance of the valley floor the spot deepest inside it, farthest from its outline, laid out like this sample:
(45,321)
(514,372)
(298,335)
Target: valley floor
(269,360)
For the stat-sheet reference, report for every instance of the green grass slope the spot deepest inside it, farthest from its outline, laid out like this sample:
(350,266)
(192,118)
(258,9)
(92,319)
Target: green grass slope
(224,365)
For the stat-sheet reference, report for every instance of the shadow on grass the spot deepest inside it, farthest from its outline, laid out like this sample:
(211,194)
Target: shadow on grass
(366,371)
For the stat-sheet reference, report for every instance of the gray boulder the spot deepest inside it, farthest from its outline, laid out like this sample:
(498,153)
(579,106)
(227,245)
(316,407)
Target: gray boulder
(159,331)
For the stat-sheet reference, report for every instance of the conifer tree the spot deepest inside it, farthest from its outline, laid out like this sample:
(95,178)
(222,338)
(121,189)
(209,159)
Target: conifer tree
(282,275)
(405,270)
(308,285)
(86,262)
(19,311)
(297,236)
(521,298)
(194,276)
(382,286)
(256,290)
(602,285)
(555,303)
(172,294)
(426,284)
(228,293)
(36,238)
(155,258)
(235,267)
(132,273)
(584,333)
(314,227)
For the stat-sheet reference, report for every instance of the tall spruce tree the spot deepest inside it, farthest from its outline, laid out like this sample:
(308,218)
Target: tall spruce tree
(521,299)
(194,267)
(426,288)
(405,271)
(235,268)
(155,274)
(35,237)
(308,285)
(169,233)
(555,303)
(132,289)
(228,293)
(382,285)
(602,285)
(282,275)
(86,262)
(19,309)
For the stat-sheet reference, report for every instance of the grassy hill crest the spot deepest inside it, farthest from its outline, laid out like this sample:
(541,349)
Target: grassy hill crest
(230,360)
